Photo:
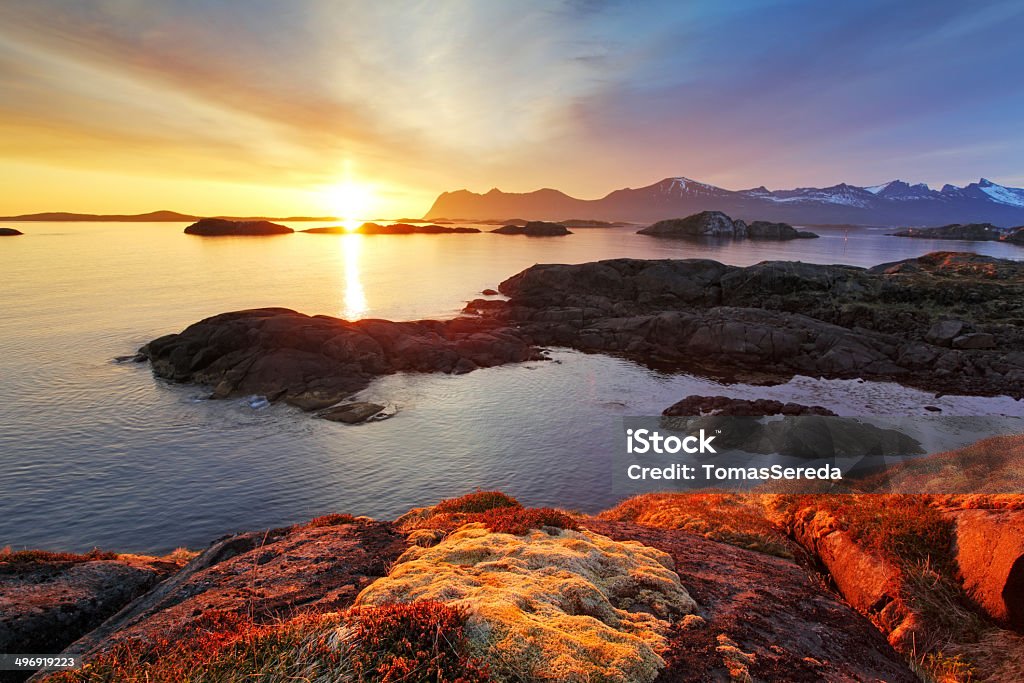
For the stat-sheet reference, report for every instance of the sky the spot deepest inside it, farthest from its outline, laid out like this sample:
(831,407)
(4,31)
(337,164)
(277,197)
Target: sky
(250,107)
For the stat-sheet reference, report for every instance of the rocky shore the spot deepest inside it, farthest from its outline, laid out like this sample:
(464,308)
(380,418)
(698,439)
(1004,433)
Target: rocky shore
(946,322)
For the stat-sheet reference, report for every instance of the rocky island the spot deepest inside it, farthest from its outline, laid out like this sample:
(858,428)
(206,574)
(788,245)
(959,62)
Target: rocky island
(534,229)
(10,232)
(392,229)
(717,224)
(223,227)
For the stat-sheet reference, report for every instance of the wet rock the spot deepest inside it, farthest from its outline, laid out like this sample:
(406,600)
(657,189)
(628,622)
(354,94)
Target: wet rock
(315,362)
(990,556)
(351,413)
(222,227)
(534,229)
(974,340)
(723,405)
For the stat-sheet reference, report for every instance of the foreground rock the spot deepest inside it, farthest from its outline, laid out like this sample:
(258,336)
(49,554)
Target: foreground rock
(534,229)
(222,227)
(49,600)
(776,319)
(261,576)
(969,232)
(10,232)
(392,229)
(315,362)
(763,618)
(990,558)
(352,413)
(717,224)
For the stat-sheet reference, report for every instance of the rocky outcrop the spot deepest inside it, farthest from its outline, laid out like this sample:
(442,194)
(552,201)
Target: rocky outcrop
(990,558)
(263,575)
(222,227)
(703,224)
(776,319)
(534,229)
(969,232)
(762,618)
(392,229)
(47,603)
(10,232)
(764,230)
(725,406)
(717,224)
(315,362)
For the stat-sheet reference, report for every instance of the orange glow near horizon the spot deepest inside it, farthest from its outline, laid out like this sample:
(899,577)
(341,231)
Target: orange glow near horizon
(351,201)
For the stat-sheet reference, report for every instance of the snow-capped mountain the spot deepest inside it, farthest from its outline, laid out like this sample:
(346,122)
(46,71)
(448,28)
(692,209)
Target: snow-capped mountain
(893,203)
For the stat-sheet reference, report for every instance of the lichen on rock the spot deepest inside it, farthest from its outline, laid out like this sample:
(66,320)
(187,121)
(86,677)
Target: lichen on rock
(548,605)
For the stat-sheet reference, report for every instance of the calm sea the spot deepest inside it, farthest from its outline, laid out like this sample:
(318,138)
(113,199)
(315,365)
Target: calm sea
(96,453)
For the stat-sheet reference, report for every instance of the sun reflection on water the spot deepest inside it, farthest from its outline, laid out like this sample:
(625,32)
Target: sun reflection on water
(355,304)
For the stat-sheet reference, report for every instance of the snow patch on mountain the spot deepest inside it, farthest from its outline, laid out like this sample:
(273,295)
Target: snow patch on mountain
(1003,195)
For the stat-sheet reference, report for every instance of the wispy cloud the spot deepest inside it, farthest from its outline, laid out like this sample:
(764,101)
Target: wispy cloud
(426,96)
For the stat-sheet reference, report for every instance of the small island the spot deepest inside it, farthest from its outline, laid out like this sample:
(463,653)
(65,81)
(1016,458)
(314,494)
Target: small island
(718,224)
(967,232)
(222,227)
(10,232)
(393,229)
(534,229)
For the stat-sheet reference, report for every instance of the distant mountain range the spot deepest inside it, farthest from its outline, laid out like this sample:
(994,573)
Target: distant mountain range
(151,217)
(895,203)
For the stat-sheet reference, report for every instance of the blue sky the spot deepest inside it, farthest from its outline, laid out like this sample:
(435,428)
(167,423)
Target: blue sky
(265,104)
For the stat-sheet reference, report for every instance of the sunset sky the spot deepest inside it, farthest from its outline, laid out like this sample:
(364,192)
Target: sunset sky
(262,107)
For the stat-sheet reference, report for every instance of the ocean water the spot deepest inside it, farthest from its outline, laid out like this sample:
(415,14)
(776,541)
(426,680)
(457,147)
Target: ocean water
(99,453)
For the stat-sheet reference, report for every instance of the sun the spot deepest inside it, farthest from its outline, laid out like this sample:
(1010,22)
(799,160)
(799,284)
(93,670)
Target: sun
(350,201)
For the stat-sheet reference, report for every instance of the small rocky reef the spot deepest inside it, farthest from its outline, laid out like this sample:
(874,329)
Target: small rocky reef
(717,224)
(222,227)
(534,229)
(10,232)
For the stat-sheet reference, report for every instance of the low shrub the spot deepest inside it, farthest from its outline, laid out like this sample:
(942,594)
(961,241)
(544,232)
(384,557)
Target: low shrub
(416,641)
(329,520)
(520,521)
(479,501)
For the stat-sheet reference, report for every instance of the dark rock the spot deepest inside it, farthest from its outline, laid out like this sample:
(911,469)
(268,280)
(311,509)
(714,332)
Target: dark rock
(10,232)
(489,292)
(763,230)
(723,405)
(352,413)
(221,227)
(974,340)
(315,362)
(534,229)
(970,232)
(773,320)
(943,332)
